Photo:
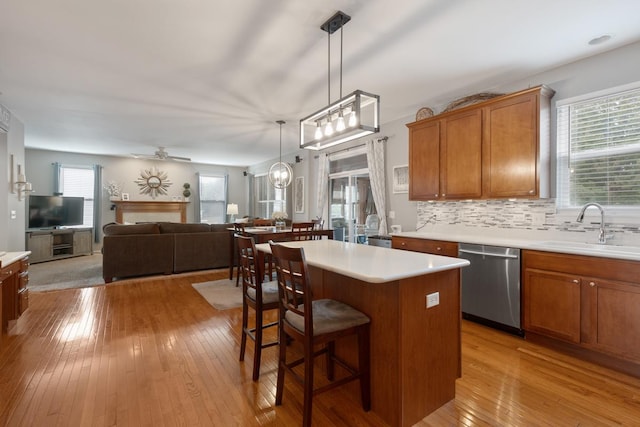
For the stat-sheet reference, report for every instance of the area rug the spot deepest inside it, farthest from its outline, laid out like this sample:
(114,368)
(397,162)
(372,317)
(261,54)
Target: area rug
(78,272)
(221,294)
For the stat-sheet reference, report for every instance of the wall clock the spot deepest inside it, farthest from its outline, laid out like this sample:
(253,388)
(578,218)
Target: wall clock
(153,182)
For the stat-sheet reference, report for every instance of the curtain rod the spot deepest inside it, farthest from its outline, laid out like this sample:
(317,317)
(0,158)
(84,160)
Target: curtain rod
(384,138)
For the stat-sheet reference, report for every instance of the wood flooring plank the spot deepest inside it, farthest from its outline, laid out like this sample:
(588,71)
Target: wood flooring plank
(152,352)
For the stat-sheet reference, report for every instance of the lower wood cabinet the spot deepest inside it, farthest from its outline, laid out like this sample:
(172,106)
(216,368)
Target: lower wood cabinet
(591,302)
(15,295)
(435,247)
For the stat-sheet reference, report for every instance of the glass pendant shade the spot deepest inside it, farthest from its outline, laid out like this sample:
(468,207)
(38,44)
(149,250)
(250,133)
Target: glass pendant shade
(280,174)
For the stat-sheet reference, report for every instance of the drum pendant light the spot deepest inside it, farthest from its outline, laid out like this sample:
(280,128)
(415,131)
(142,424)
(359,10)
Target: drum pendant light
(280,174)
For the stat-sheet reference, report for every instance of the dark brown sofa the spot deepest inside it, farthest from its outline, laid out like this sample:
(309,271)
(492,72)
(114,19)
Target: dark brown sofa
(163,248)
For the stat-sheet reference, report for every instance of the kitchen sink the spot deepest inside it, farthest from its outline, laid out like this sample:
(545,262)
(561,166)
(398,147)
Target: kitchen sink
(588,247)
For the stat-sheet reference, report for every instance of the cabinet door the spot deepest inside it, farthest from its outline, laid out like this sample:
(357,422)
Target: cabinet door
(611,319)
(511,139)
(41,247)
(461,156)
(82,244)
(424,161)
(552,304)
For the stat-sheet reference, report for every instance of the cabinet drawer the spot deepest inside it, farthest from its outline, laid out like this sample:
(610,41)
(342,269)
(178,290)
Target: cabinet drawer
(23,280)
(435,247)
(23,301)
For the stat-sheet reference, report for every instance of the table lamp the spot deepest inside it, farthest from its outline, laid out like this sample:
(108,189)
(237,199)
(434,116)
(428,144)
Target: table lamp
(232,209)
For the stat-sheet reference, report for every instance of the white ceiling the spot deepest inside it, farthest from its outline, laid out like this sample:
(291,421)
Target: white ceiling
(208,79)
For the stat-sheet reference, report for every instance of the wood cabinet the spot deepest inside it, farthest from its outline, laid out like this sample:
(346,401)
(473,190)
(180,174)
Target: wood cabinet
(14,278)
(47,245)
(435,247)
(495,149)
(591,302)
(446,158)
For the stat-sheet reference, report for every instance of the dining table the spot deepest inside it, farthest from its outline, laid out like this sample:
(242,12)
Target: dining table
(263,234)
(413,301)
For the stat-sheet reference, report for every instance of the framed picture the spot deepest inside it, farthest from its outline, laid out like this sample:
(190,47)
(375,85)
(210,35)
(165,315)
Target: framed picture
(125,197)
(298,195)
(401,179)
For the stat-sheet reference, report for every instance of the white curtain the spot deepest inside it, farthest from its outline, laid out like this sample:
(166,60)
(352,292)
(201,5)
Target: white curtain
(323,183)
(375,163)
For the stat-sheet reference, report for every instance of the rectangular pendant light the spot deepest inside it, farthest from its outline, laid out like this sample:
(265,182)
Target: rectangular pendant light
(360,113)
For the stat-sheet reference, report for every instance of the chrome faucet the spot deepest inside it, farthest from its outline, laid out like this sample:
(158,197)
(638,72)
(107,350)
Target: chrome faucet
(602,235)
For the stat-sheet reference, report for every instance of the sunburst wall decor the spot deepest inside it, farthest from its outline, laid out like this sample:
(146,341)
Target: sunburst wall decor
(153,182)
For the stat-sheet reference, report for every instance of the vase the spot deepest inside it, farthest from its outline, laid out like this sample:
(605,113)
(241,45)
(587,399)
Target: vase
(280,224)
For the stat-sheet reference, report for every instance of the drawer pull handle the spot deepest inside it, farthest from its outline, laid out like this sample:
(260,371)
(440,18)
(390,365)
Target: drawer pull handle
(592,284)
(576,281)
(438,248)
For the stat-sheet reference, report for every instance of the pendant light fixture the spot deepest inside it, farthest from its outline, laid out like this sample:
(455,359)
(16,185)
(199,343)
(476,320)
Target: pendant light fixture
(280,174)
(351,117)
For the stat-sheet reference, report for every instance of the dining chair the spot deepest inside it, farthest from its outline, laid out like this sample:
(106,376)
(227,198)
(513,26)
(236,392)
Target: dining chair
(260,296)
(259,222)
(317,329)
(302,230)
(238,230)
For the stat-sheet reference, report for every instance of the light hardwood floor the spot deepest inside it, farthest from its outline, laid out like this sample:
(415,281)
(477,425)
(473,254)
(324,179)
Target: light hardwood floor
(153,352)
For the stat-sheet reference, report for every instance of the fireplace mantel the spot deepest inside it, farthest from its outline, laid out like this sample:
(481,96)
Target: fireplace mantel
(134,211)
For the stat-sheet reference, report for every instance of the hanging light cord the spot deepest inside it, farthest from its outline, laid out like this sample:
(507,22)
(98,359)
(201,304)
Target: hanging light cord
(341,28)
(329,68)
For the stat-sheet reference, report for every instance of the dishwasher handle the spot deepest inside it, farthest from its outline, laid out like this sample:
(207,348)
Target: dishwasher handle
(469,251)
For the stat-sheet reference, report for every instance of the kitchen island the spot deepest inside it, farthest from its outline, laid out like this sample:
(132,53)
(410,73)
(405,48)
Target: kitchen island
(415,350)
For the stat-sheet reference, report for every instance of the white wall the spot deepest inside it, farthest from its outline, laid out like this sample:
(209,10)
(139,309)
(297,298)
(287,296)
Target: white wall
(12,236)
(127,170)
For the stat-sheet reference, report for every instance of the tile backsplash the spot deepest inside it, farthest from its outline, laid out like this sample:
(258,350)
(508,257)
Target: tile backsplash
(536,215)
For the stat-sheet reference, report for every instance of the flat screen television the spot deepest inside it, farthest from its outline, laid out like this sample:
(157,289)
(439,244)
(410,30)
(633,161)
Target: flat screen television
(55,211)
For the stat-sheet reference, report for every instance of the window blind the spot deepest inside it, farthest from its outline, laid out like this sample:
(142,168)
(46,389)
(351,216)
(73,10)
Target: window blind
(79,182)
(599,151)
(213,198)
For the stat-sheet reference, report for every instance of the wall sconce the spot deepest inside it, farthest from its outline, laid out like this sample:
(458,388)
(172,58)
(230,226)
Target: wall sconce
(20,184)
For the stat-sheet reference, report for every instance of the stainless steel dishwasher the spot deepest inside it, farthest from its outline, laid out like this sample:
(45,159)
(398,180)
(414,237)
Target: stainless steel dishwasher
(491,286)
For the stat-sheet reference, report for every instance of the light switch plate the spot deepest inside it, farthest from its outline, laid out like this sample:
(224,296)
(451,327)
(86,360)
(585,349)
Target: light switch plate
(13,215)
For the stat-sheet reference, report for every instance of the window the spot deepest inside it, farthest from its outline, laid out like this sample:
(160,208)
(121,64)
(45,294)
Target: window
(268,199)
(599,149)
(213,199)
(77,181)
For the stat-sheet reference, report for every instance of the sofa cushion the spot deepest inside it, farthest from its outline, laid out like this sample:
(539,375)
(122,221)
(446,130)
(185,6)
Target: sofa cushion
(126,229)
(175,227)
(221,227)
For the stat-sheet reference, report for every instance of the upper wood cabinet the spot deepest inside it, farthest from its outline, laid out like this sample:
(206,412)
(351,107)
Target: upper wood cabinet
(495,149)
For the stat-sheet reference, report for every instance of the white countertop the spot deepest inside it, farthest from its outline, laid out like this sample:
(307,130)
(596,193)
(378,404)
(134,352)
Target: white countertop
(11,257)
(371,264)
(576,247)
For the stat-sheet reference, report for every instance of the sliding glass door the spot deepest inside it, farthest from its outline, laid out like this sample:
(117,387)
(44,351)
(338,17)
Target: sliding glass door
(350,202)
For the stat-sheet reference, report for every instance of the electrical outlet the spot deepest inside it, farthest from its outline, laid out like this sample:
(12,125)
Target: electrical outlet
(433,299)
(392,214)
(13,214)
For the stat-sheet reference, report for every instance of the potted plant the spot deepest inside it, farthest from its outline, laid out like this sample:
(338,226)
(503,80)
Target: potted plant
(186,192)
(114,190)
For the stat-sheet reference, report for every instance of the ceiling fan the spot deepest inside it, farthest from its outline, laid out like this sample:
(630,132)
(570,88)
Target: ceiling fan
(161,154)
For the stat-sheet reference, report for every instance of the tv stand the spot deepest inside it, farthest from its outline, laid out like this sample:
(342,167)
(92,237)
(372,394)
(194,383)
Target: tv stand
(58,243)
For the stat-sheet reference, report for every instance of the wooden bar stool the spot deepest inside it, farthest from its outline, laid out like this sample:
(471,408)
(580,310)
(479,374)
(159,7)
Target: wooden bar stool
(238,230)
(257,295)
(320,326)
